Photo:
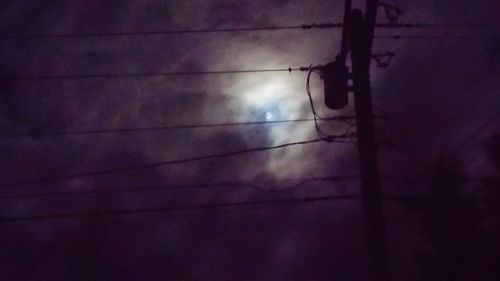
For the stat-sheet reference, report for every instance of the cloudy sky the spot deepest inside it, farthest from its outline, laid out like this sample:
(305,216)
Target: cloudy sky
(439,91)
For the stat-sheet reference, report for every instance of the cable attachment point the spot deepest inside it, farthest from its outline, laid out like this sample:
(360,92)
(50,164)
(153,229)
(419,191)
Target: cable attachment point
(344,138)
(329,139)
(304,69)
(320,25)
(309,26)
(383,60)
(392,13)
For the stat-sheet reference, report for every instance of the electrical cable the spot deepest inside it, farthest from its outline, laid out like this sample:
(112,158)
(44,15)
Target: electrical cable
(437,25)
(312,69)
(145,74)
(255,185)
(168,32)
(388,143)
(199,207)
(12,36)
(476,133)
(163,163)
(316,116)
(163,128)
(447,36)
(179,208)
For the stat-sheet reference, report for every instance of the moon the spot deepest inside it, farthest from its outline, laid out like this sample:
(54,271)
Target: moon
(269,116)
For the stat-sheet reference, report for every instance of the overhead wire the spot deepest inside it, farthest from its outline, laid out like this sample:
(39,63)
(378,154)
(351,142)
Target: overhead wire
(150,74)
(164,128)
(178,208)
(424,164)
(387,142)
(146,74)
(316,116)
(165,163)
(478,132)
(199,207)
(209,72)
(312,69)
(327,25)
(7,36)
(432,36)
(160,74)
(439,25)
(253,185)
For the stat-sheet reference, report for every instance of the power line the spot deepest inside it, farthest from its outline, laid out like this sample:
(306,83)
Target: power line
(164,128)
(395,198)
(202,207)
(208,206)
(150,74)
(330,25)
(476,133)
(254,185)
(166,163)
(444,36)
(168,32)
(439,25)
(147,74)
(407,152)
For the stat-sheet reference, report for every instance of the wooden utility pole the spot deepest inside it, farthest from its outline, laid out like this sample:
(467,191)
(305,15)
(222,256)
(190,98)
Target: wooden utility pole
(361,41)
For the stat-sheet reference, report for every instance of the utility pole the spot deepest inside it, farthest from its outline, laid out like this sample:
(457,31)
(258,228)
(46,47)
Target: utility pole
(361,41)
(357,36)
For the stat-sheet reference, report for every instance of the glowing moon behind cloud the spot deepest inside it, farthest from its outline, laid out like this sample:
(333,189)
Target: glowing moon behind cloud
(269,97)
(269,116)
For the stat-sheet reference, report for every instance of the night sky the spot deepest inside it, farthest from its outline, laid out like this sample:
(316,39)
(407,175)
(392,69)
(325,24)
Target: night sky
(440,93)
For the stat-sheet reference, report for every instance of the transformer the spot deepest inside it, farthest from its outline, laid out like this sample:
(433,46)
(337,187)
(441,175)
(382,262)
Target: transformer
(336,75)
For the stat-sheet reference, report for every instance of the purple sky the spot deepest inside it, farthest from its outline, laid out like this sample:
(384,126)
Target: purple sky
(437,91)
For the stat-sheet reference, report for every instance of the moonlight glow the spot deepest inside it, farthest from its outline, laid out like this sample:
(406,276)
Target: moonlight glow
(269,116)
